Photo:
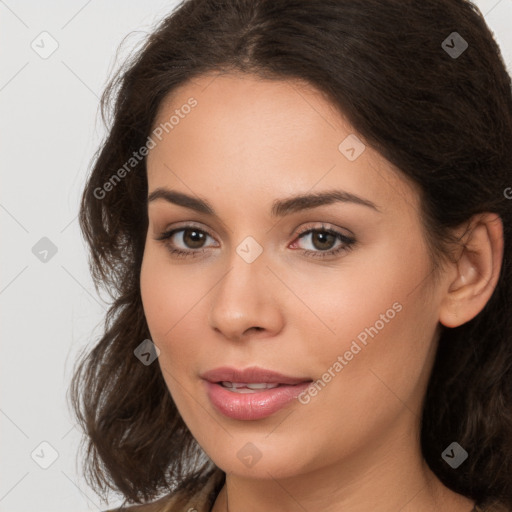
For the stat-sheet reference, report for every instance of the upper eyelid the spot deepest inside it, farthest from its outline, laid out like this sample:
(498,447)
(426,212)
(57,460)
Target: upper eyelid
(310,227)
(187,225)
(325,226)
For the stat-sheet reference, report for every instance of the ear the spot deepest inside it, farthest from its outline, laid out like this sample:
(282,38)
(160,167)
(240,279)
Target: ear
(475,271)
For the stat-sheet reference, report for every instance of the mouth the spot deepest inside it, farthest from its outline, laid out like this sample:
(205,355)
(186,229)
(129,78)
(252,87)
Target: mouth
(253,393)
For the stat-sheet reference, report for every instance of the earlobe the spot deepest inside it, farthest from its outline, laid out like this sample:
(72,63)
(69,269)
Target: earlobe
(476,270)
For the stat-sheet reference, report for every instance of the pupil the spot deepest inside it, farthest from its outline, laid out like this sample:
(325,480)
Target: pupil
(325,239)
(195,239)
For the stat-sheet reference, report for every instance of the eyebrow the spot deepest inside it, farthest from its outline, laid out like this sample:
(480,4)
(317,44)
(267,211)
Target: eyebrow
(280,207)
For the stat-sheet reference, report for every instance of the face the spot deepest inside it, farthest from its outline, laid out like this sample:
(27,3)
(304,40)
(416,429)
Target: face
(336,294)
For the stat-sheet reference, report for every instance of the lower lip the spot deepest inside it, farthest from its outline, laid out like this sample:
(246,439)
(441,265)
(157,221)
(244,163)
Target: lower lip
(252,406)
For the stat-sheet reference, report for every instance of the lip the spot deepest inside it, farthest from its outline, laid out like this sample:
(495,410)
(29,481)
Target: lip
(252,374)
(256,405)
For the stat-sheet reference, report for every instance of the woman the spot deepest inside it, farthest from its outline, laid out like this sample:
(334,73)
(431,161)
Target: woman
(302,211)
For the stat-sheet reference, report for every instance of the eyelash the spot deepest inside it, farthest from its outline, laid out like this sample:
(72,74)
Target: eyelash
(347,242)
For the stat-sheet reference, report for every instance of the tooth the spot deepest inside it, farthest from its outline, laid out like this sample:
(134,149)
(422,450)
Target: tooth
(245,385)
(262,386)
(228,384)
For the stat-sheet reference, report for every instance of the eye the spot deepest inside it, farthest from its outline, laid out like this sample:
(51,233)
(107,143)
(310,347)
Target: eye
(189,241)
(185,241)
(324,242)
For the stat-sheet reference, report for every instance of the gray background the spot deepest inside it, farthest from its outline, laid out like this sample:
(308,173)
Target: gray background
(50,128)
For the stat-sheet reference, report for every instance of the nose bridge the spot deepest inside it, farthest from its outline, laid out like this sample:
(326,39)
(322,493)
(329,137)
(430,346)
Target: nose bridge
(245,297)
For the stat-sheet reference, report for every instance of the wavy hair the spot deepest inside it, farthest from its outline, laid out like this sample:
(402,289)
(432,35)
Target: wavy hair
(444,121)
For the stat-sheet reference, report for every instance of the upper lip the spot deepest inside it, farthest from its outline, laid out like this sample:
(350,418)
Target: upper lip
(250,375)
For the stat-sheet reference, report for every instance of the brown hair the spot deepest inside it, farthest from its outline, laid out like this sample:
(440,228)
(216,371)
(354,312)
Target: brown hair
(445,121)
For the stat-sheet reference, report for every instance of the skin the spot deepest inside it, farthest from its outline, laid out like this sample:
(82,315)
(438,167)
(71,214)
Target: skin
(355,446)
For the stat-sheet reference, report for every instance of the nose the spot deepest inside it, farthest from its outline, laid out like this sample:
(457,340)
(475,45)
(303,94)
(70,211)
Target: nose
(245,303)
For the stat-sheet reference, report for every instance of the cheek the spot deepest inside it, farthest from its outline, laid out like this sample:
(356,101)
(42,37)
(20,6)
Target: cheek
(157,298)
(168,293)
(174,307)
(378,317)
(365,291)
(165,301)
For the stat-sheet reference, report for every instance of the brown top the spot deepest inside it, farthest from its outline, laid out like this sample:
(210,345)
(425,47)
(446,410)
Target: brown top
(203,501)
(179,502)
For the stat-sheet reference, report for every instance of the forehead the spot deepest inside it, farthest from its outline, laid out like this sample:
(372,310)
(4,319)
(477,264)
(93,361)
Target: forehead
(265,137)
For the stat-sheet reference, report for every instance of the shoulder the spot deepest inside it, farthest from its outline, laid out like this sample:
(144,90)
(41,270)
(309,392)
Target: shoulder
(183,501)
